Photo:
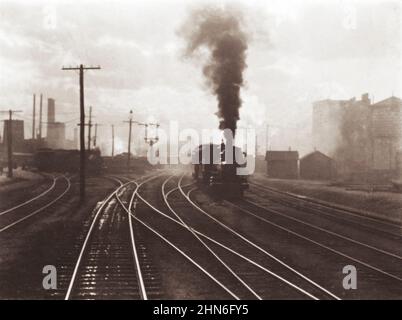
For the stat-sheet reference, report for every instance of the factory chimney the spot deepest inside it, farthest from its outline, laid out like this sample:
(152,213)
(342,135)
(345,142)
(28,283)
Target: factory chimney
(40,118)
(33,117)
(50,111)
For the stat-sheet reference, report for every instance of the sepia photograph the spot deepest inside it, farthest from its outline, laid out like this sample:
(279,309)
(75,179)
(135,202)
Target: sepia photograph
(200,154)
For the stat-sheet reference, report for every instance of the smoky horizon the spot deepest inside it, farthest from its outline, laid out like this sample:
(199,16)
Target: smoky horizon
(282,65)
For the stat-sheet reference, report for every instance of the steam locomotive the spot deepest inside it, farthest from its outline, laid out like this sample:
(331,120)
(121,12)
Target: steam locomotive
(215,169)
(50,160)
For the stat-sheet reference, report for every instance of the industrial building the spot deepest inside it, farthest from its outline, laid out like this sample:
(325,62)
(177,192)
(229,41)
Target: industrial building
(55,136)
(17,130)
(327,117)
(282,164)
(386,122)
(363,138)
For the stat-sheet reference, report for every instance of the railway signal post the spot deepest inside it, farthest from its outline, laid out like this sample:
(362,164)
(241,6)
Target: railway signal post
(151,140)
(130,122)
(89,129)
(81,69)
(96,134)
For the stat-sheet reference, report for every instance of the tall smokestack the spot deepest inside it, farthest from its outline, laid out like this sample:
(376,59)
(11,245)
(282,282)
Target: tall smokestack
(220,31)
(50,111)
(50,117)
(33,117)
(40,117)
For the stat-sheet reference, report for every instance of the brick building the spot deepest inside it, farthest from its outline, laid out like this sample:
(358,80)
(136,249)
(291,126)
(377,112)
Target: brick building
(327,116)
(363,138)
(386,132)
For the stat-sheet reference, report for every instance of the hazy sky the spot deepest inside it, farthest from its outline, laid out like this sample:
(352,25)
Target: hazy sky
(299,52)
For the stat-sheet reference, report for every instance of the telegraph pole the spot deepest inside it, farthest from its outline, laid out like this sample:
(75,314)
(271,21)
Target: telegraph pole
(129,145)
(10,141)
(112,140)
(129,139)
(81,69)
(33,117)
(89,129)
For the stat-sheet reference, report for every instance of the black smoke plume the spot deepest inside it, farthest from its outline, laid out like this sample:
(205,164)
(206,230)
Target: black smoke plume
(220,31)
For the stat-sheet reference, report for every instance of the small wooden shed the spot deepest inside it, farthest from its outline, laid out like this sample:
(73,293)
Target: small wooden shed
(317,166)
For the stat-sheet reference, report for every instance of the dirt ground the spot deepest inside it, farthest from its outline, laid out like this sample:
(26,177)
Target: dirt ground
(20,178)
(384,205)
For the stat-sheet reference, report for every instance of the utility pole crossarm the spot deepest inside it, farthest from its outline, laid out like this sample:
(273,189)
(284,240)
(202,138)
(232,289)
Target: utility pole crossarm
(83,67)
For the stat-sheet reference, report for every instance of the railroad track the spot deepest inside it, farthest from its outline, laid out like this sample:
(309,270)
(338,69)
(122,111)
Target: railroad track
(255,210)
(377,257)
(29,194)
(381,267)
(114,262)
(108,264)
(332,211)
(226,263)
(40,204)
(181,244)
(284,272)
(229,257)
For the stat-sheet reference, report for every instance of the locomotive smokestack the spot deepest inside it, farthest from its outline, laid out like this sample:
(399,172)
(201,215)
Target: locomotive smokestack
(220,31)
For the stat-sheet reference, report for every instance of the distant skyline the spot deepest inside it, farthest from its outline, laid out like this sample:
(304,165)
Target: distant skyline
(300,51)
